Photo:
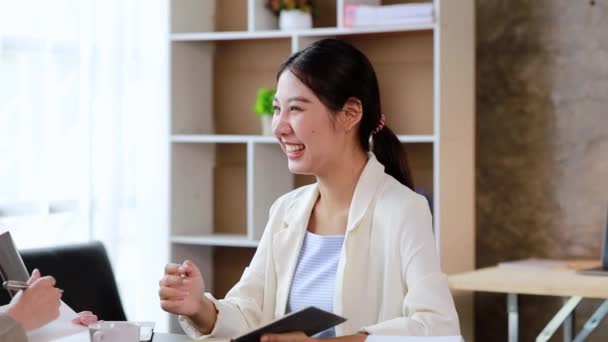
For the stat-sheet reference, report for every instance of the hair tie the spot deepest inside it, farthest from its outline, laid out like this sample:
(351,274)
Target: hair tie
(380,125)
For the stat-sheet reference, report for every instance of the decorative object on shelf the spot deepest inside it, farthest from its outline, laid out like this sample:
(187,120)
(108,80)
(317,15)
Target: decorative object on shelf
(293,14)
(264,109)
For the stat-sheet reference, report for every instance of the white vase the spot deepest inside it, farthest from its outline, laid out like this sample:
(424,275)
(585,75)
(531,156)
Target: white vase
(295,20)
(266,121)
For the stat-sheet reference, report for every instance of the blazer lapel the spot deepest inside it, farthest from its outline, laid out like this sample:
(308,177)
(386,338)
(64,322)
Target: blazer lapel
(356,244)
(287,243)
(365,191)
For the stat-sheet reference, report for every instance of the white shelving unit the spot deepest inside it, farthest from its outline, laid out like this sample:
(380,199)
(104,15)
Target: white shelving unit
(225,175)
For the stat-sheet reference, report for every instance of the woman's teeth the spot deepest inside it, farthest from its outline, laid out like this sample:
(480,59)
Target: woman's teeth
(294,148)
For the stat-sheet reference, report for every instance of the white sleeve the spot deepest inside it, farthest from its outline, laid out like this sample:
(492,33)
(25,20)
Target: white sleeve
(241,310)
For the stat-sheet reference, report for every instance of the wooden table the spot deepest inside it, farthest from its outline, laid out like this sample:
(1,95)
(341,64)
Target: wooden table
(563,282)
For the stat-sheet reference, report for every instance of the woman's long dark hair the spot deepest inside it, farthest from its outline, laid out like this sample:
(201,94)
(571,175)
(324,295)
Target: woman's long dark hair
(336,71)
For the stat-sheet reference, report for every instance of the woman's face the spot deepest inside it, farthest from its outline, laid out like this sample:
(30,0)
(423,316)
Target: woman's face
(304,127)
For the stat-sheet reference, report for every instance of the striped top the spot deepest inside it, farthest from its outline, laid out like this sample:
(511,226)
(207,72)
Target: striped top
(315,276)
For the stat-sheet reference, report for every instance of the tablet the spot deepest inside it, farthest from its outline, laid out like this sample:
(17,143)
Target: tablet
(310,320)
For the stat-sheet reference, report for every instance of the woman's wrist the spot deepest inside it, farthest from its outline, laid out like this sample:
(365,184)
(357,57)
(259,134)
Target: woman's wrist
(206,317)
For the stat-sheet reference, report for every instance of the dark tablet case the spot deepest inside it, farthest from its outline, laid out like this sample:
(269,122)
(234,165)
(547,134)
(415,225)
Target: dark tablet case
(310,320)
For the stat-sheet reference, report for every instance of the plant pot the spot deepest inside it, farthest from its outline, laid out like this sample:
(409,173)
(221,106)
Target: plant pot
(295,20)
(266,121)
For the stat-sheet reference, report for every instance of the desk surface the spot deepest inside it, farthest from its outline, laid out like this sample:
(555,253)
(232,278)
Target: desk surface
(164,337)
(549,282)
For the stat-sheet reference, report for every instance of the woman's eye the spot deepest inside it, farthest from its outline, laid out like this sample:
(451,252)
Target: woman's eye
(293,108)
(276,109)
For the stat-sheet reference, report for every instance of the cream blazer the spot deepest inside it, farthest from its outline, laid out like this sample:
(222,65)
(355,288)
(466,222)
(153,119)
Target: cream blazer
(388,282)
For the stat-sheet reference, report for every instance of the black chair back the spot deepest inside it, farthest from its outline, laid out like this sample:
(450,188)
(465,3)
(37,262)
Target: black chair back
(84,273)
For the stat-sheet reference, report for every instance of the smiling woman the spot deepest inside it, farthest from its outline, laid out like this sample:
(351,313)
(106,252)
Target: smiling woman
(358,242)
(335,84)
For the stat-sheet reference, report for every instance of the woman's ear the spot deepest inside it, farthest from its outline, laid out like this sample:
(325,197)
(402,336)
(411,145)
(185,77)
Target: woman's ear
(351,113)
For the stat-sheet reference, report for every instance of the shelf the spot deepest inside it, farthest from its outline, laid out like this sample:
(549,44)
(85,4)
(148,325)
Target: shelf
(261,139)
(222,138)
(244,35)
(366,30)
(226,240)
(404,138)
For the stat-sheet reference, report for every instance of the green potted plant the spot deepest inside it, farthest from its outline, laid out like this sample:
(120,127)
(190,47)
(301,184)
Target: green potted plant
(264,109)
(293,14)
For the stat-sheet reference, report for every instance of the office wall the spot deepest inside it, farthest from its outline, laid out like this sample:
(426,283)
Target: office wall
(542,144)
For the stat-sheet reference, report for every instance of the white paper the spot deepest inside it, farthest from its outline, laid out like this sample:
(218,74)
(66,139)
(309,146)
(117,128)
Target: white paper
(79,337)
(376,338)
(61,327)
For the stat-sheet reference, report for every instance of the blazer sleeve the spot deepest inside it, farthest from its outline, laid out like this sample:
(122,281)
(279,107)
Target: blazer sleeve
(241,310)
(11,330)
(428,307)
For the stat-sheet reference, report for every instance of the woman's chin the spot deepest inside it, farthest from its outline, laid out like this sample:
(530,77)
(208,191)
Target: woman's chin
(297,168)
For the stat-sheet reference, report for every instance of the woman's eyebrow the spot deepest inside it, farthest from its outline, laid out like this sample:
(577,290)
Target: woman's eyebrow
(295,98)
(298,98)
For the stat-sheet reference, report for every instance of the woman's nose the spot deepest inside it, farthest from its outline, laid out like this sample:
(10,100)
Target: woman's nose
(280,126)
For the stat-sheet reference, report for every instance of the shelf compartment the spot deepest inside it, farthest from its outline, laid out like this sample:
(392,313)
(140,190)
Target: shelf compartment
(241,68)
(403,61)
(208,15)
(404,66)
(270,180)
(214,84)
(229,264)
(208,183)
(326,14)
(420,157)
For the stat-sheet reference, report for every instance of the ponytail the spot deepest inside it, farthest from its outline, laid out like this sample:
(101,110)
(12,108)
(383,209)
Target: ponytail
(391,153)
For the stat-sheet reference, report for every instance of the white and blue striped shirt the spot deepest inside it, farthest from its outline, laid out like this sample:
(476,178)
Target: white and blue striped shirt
(315,276)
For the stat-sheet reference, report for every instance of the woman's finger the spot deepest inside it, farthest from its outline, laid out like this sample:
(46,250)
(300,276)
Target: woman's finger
(171,281)
(168,293)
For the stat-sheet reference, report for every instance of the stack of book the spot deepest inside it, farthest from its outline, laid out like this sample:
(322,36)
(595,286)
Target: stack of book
(356,15)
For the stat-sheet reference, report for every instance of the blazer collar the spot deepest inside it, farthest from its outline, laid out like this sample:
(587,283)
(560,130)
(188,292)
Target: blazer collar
(368,184)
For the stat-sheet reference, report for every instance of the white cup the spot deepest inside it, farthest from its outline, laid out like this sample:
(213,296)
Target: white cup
(114,332)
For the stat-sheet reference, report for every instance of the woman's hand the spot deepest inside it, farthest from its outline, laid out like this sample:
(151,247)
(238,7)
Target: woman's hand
(287,337)
(85,318)
(38,304)
(182,293)
(181,289)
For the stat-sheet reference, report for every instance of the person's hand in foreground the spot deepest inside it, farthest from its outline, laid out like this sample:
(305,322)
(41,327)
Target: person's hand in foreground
(85,318)
(38,304)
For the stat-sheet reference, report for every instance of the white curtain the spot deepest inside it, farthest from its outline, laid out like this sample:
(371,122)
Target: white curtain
(83,133)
